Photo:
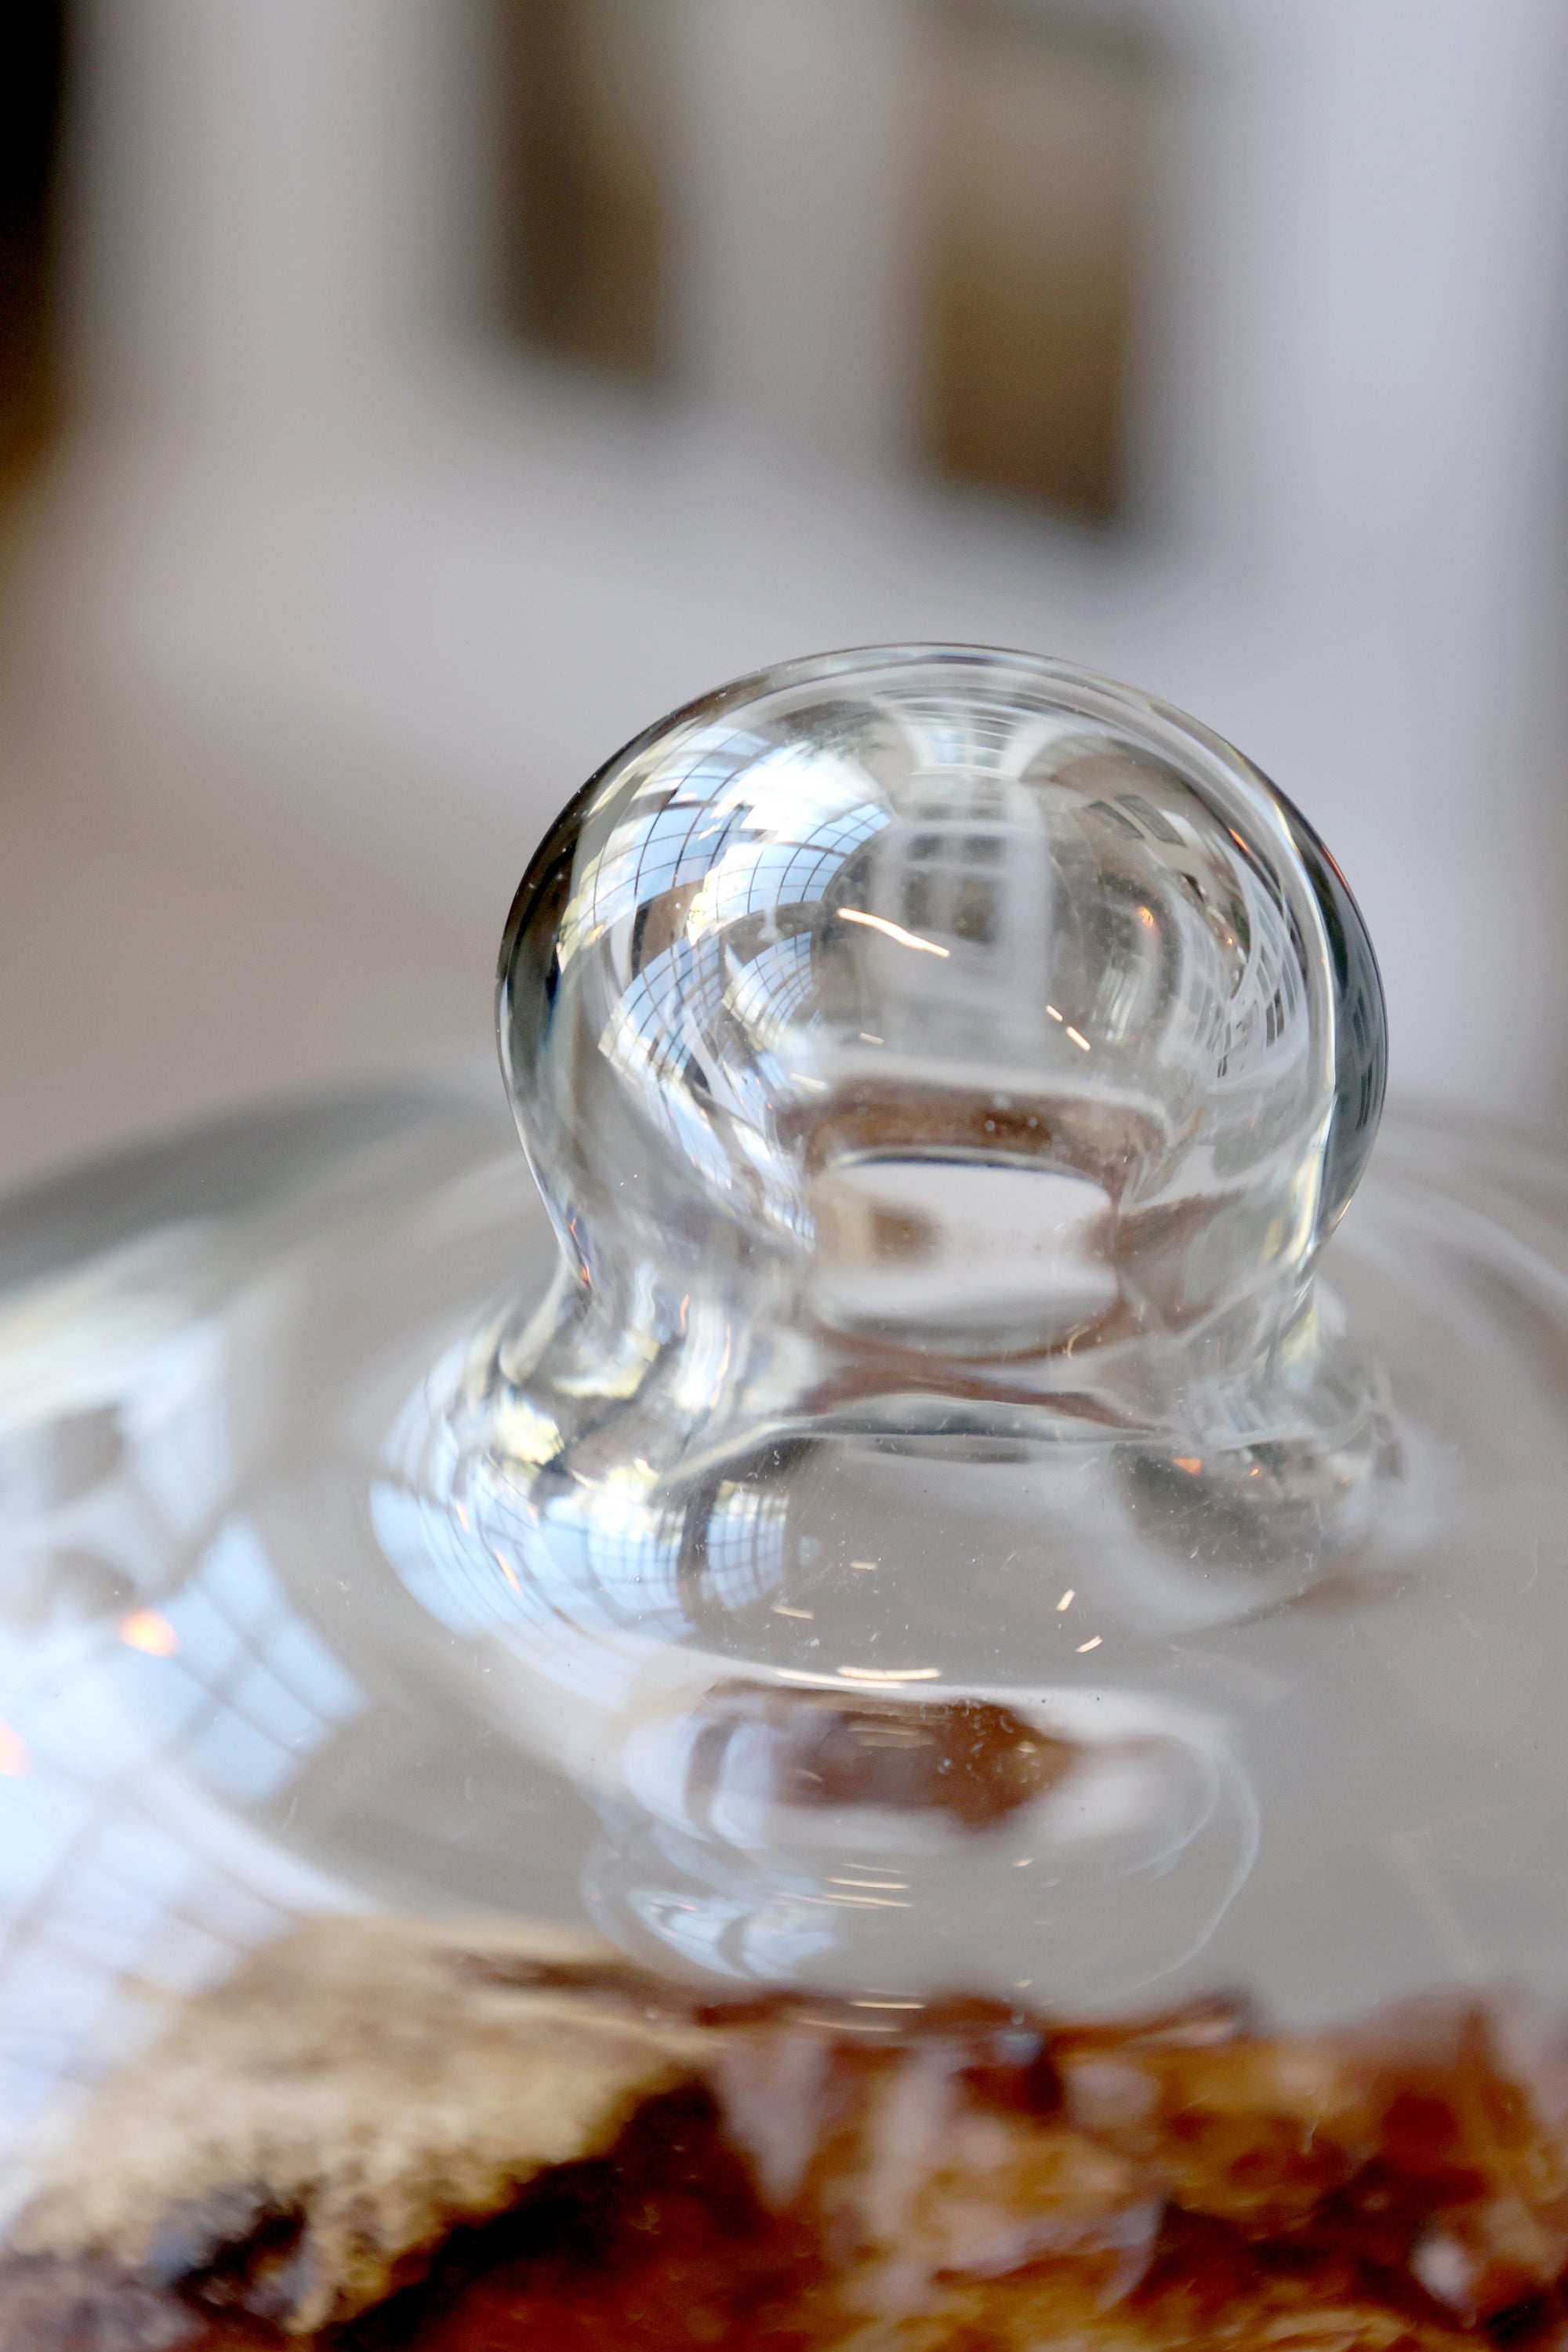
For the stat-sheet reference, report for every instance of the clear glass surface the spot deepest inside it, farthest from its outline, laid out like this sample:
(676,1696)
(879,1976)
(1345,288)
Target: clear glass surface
(925,1494)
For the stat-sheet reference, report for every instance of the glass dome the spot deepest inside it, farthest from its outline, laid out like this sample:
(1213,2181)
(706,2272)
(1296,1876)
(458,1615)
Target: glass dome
(920,1498)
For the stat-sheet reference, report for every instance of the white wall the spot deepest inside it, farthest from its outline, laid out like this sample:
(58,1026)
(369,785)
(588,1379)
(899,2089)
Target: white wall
(331,588)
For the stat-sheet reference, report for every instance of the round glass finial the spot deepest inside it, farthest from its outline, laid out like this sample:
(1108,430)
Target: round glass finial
(942,1068)
(951,1000)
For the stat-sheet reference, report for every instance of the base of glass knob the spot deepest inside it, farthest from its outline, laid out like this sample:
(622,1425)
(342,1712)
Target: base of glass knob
(301,1655)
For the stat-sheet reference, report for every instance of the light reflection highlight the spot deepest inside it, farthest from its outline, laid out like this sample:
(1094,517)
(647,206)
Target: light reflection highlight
(890,1673)
(152,1635)
(894,932)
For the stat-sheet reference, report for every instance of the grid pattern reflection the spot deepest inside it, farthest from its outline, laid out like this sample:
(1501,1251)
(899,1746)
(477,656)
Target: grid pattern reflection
(707,897)
(126,1879)
(756,829)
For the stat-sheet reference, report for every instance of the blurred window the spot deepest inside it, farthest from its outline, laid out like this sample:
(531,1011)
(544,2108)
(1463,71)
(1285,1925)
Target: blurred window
(1031,142)
(1037,131)
(31,60)
(582,96)
(943,894)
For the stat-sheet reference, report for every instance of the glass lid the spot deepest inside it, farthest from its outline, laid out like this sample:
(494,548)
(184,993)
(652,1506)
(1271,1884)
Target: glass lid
(918,1495)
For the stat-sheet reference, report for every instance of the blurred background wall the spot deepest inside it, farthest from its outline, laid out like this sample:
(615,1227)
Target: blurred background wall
(404,401)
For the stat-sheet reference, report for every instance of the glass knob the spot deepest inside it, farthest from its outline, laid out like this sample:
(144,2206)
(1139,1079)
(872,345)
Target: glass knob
(943,1069)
